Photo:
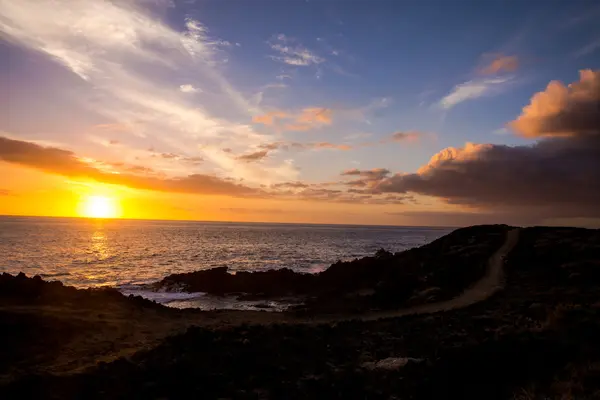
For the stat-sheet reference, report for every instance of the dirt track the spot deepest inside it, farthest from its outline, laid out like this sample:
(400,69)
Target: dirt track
(484,288)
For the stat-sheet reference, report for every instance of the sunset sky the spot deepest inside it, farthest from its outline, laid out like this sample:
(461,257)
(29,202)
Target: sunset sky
(450,112)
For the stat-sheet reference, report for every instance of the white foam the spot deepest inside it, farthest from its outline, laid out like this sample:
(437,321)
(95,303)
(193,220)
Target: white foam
(162,297)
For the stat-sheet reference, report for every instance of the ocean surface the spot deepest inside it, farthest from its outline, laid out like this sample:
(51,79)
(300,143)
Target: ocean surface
(127,253)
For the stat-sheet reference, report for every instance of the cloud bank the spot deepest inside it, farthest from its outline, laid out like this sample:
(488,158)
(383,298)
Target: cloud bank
(557,176)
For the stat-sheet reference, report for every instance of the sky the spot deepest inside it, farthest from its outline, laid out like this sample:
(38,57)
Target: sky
(447,113)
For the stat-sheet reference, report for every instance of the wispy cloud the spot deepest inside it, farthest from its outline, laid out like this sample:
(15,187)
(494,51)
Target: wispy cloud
(292,53)
(499,64)
(131,58)
(590,48)
(471,90)
(585,16)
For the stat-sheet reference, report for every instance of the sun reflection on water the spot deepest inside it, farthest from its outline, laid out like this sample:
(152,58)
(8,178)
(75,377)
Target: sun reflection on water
(100,244)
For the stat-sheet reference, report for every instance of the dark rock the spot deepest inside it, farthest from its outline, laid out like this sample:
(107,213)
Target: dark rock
(451,263)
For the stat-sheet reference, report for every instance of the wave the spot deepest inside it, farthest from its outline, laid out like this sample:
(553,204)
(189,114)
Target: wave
(204,301)
(55,275)
(161,297)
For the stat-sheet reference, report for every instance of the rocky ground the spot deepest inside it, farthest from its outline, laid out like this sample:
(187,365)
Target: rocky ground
(537,338)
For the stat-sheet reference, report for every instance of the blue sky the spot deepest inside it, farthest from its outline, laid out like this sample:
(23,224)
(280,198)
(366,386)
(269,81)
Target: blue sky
(219,80)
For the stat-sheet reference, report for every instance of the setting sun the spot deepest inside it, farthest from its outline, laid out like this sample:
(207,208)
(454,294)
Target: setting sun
(99,207)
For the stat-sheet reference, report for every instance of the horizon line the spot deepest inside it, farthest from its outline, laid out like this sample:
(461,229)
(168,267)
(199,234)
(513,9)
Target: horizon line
(231,221)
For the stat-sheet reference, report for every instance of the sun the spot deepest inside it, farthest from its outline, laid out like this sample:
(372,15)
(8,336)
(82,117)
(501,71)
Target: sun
(99,207)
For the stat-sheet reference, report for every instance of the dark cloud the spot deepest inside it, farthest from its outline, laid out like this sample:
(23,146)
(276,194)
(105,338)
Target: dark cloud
(366,178)
(557,176)
(317,192)
(356,183)
(254,156)
(169,155)
(5,192)
(405,136)
(375,173)
(350,172)
(290,185)
(64,162)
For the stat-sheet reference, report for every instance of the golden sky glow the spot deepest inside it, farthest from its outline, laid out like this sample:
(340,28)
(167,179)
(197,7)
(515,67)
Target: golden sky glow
(33,192)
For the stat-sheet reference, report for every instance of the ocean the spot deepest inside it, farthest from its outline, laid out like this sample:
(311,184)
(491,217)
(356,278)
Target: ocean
(127,253)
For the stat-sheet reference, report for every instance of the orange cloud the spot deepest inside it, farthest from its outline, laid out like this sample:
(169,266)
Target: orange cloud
(561,110)
(315,116)
(501,64)
(306,119)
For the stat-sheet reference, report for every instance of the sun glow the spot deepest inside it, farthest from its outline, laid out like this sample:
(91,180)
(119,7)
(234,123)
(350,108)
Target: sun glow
(100,207)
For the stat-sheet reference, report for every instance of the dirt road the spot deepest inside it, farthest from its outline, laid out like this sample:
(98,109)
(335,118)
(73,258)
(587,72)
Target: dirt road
(484,288)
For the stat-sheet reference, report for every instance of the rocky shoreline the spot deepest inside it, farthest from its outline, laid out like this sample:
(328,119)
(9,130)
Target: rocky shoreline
(537,338)
(437,271)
